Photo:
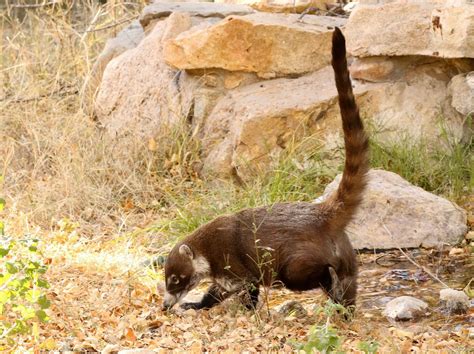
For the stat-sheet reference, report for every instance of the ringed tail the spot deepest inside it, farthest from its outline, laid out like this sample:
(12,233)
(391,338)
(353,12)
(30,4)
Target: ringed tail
(343,203)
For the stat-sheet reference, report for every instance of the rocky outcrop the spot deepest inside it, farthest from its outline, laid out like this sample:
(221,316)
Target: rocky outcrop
(411,28)
(395,213)
(252,124)
(214,65)
(269,45)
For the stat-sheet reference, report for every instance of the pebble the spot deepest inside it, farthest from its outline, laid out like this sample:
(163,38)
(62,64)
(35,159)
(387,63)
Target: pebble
(405,308)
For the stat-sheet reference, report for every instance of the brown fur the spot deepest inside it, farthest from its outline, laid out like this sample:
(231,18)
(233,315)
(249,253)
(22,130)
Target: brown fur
(300,245)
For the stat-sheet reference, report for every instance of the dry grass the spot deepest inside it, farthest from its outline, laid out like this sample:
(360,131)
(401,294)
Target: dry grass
(56,162)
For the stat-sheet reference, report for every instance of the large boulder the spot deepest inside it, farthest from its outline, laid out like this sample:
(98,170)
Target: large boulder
(252,124)
(398,28)
(138,93)
(267,44)
(395,213)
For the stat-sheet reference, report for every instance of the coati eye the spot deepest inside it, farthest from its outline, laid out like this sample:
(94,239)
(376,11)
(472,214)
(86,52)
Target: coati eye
(174,279)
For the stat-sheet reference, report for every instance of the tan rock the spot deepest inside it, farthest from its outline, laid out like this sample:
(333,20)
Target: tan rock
(411,28)
(461,89)
(138,92)
(412,216)
(286,6)
(160,10)
(267,44)
(374,69)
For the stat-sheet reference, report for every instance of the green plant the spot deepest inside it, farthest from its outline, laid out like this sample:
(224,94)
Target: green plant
(324,338)
(445,169)
(22,298)
(368,347)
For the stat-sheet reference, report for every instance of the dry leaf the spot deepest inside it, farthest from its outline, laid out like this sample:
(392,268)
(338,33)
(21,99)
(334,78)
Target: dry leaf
(130,335)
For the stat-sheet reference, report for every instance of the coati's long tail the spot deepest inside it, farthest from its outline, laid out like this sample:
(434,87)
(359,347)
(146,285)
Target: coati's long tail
(343,203)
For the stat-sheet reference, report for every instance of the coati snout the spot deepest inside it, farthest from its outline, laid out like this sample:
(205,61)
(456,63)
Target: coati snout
(300,245)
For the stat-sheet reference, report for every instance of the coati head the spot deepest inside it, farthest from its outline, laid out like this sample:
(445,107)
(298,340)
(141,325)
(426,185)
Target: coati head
(183,272)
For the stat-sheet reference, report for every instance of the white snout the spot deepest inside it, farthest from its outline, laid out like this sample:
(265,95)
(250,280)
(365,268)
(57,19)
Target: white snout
(169,300)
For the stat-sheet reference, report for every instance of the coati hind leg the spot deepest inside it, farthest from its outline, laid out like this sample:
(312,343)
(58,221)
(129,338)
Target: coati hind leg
(215,295)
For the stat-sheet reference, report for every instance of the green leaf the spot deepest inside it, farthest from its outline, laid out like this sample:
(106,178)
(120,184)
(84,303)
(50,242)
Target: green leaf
(11,268)
(3,251)
(33,295)
(44,302)
(42,316)
(2,204)
(2,228)
(42,283)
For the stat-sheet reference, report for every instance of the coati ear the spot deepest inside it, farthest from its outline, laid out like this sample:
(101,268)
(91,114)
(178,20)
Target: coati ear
(184,250)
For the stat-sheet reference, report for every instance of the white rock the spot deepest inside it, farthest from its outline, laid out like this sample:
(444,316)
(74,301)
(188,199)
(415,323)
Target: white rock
(411,28)
(461,88)
(138,92)
(413,216)
(291,308)
(405,308)
(126,39)
(454,301)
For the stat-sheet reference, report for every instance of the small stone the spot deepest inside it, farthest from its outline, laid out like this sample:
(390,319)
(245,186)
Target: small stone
(137,351)
(470,236)
(405,308)
(455,251)
(453,301)
(292,308)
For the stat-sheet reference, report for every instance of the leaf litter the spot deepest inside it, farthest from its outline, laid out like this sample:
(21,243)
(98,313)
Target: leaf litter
(106,300)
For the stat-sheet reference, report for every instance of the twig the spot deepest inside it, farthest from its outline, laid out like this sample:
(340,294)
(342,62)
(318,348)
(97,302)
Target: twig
(33,6)
(424,269)
(36,98)
(110,26)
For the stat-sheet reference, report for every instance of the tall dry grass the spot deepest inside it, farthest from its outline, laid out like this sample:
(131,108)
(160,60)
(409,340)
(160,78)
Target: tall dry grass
(55,161)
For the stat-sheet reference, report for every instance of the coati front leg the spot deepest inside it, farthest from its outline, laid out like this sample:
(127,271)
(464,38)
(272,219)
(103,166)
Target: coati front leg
(249,296)
(215,295)
(342,291)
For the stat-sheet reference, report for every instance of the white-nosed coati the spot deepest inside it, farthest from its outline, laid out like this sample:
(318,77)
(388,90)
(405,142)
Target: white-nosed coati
(301,245)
